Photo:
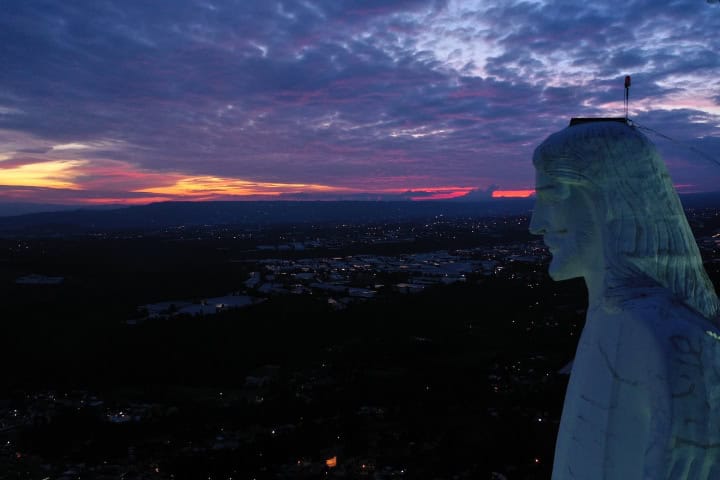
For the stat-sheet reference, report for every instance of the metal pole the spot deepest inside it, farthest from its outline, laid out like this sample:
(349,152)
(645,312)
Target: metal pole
(627,94)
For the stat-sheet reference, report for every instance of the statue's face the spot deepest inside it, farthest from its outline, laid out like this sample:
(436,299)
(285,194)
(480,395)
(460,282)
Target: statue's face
(564,216)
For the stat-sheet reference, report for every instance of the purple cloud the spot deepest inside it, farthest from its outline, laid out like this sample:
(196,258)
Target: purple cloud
(383,97)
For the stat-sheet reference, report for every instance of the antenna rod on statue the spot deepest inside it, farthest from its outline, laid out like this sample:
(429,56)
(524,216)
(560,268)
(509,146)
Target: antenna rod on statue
(627,94)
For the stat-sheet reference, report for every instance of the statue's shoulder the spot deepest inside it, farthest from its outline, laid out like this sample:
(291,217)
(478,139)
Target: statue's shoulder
(661,314)
(664,334)
(686,343)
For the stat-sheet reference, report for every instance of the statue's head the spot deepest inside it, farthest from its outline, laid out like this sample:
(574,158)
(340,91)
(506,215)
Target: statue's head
(605,202)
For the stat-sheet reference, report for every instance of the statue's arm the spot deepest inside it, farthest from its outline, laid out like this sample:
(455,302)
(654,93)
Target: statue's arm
(640,423)
(694,447)
(676,360)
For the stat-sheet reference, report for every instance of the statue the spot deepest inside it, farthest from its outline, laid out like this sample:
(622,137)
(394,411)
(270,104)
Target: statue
(643,401)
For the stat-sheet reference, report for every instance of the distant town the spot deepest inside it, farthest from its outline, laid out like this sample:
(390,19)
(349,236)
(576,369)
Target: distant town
(431,348)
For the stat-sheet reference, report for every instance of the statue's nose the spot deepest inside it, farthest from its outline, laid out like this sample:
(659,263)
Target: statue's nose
(535,228)
(538,221)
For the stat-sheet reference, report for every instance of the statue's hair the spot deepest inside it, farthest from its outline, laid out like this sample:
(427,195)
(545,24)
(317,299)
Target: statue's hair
(644,227)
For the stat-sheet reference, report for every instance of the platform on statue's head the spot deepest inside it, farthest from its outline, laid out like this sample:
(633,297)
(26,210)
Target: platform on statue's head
(579,120)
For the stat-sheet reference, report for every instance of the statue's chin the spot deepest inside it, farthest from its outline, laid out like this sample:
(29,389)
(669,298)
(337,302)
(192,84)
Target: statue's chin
(559,277)
(562,271)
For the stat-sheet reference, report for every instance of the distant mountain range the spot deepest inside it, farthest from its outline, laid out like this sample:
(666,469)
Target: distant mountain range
(22,208)
(261,213)
(264,213)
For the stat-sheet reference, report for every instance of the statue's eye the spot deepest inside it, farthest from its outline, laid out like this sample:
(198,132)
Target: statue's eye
(553,193)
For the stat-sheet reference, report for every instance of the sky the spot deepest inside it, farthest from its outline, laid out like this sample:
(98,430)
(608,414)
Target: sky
(132,102)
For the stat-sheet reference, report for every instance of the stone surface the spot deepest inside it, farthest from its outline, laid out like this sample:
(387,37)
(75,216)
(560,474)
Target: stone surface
(643,401)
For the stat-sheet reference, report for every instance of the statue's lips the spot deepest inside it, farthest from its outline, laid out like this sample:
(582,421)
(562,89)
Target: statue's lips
(554,240)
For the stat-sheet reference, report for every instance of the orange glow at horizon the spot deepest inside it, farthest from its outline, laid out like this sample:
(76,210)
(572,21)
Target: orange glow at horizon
(209,186)
(512,193)
(104,181)
(52,174)
(109,181)
(122,201)
(441,193)
(443,196)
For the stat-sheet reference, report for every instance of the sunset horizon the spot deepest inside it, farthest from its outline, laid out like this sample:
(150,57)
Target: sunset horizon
(421,99)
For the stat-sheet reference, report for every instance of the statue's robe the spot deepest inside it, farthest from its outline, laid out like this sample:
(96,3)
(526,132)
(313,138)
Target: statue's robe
(643,401)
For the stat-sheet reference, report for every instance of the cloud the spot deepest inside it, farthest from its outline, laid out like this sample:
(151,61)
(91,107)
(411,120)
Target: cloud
(365,96)
(480,194)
